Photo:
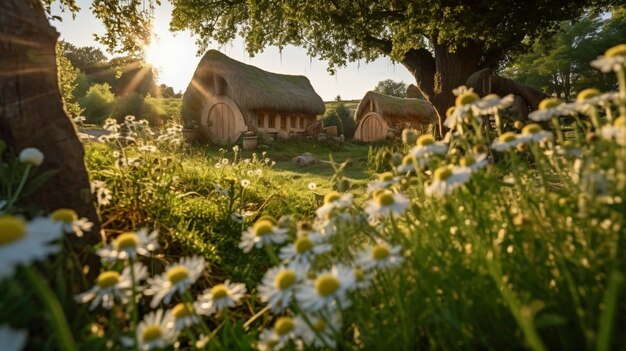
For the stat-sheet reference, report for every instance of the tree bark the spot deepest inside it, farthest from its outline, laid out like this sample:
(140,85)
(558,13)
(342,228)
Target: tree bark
(437,76)
(32,112)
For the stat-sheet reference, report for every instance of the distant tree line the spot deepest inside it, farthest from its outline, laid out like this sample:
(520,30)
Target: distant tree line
(97,87)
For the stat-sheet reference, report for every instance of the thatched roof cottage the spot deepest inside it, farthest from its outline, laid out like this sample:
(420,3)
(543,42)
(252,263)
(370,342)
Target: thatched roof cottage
(226,98)
(379,115)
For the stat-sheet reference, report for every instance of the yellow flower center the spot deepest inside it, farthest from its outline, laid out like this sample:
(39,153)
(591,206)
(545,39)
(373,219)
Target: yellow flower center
(385,177)
(331,196)
(466,98)
(65,215)
(11,229)
(285,279)
(620,122)
(107,279)
(532,128)
(319,326)
(384,198)
(127,240)
(263,227)
(450,111)
(467,161)
(442,173)
(549,103)
(268,218)
(425,139)
(177,274)
(359,275)
(618,50)
(407,160)
(182,310)
(219,291)
(304,226)
(303,244)
(380,252)
(587,94)
(507,137)
(284,325)
(326,285)
(151,333)
(480,149)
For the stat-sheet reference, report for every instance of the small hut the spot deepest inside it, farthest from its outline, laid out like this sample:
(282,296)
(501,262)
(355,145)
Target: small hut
(226,98)
(379,116)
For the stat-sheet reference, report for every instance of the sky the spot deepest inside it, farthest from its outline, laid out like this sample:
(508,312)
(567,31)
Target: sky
(175,55)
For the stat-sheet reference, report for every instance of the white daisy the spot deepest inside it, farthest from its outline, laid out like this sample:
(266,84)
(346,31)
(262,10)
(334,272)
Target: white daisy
(70,223)
(384,181)
(615,131)
(11,339)
(111,286)
(427,146)
(148,148)
(129,244)
(410,165)
(549,108)
(263,232)
(475,161)
(220,297)
(279,285)
(491,103)
(333,201)
(380,255)
(535,133)
(328,290)
(31,156)
(24,242)
(184,315)
(111,125)
(269,341)
(305,248)
(245,183)
(312,186)
(446,179)
(386,203)
(178,277)
(614,59)
(285,329)
(155,331)
(507,141)
(318,331)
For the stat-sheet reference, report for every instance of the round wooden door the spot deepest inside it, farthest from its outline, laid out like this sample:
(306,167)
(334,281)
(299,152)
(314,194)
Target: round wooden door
(372,127)
(224,124)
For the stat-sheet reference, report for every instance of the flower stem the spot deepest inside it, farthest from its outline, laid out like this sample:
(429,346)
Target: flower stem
(621,78)
(19,187)
(133,302)
(59,322)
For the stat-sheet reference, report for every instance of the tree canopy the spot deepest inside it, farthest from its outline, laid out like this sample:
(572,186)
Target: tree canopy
(391,88)
(560,64)
(440,43)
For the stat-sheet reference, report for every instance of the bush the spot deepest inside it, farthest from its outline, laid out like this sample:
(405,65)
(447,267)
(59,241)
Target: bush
(339,116)
(98,103)
(135,104)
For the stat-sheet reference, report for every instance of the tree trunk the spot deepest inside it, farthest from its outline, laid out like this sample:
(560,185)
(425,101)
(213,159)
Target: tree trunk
(437,76)
(32,112)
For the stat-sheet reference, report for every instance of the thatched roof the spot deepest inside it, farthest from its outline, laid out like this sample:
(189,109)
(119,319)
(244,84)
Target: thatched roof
(250,87)
(390,107)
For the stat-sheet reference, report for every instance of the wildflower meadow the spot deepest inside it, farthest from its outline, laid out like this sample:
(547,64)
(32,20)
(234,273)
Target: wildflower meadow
(503,235)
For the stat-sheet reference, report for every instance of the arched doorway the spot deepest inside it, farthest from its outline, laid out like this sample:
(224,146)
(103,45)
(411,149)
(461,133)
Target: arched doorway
(371,127)
(222,120)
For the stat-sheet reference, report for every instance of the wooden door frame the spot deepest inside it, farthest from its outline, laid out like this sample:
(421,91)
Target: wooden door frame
(359,128)
(210,102)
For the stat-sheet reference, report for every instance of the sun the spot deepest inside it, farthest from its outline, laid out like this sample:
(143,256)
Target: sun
(160,55)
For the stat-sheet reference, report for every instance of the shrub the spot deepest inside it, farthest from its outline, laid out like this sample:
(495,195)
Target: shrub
(98,103)
(339,116)
(135,104)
